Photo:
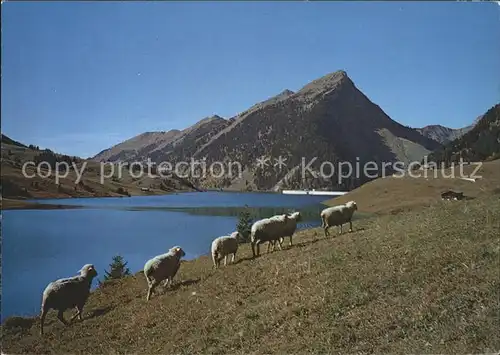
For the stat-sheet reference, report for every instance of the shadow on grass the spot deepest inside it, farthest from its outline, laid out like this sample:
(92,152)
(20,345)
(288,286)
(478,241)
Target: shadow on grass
(99,312)
(17,324)
(177,285)
(242,260)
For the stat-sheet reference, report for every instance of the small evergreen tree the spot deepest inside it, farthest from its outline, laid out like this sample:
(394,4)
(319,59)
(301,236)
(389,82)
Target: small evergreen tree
(117,269)
(244,224)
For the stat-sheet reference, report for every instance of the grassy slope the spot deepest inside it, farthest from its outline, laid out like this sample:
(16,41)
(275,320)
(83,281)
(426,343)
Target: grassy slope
(392,195)
(420,281)
(15,186)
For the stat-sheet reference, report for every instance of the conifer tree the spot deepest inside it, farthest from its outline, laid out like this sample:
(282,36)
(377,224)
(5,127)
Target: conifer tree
(117,269)
(244,224)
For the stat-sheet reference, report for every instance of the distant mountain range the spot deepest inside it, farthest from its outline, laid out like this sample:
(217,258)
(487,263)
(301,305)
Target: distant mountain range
(329,118)
(479,143)
(444,134)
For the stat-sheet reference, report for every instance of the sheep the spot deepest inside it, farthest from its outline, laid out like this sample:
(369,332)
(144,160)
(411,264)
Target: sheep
(337,216)
(270,230)
(288,231)
(66,293)
(224,246)
(162,267)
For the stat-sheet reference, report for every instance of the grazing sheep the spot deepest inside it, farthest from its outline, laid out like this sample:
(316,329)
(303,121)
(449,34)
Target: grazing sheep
(337,216)
(268,230)
(67,293)
(162,267)
(288,231)
(224,246)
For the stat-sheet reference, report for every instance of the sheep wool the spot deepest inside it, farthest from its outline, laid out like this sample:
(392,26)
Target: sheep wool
(67,293)
(162,267)
(268,230)
(224,246)
(337,216)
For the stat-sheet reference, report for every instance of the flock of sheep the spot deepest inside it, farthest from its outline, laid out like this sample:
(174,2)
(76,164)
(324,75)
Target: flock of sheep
(73,292)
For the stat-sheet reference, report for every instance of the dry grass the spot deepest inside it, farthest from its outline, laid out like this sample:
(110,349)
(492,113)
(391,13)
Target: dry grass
(424,281)
(393,195)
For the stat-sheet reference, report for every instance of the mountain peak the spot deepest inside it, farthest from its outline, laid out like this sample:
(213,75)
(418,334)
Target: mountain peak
(327,82)
(286,92)
(208,119)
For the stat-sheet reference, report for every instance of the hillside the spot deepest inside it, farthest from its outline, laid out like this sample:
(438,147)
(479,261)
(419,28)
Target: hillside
(480,143)
(15,186)
(423,281)
(329,119)
(397,194)
(171,146)
(9,141)
(129,149)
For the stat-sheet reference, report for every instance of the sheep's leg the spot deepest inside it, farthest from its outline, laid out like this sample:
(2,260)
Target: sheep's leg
(42,320)
(60,316)
(225,260)
(234,257)
(350,227)
(279,244)
(325,226)
(77,314)
(151,286)
(290,240)
(269,246)
(80,312)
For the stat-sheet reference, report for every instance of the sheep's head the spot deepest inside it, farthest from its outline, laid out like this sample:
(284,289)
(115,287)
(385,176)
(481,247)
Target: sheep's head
(178,251)
(88,270)
(297,216)
(237,235)
(352,204)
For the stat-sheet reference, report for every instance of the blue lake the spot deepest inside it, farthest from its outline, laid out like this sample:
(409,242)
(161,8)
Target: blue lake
(39,246)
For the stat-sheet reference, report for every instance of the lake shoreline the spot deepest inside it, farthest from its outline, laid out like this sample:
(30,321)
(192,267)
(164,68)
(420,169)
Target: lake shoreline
(10,204)
(29,204)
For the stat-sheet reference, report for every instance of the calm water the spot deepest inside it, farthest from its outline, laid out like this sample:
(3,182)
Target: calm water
(40,246)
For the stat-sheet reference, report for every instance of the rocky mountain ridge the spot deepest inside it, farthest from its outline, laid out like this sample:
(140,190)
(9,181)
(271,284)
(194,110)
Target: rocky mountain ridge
(329,119)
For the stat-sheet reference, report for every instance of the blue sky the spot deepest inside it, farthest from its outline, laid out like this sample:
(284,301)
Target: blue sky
(80,77)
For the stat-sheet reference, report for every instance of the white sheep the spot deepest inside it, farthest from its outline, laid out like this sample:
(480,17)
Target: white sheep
(162,267)
(224,246)
(67,293)
(288,230)
(270,230)
(337,216)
